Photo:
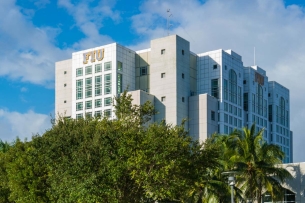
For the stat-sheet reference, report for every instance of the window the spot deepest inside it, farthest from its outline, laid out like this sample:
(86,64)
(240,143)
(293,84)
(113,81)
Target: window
(182,52)
(78,116)
(65,72)
(143,70)
(98,113)
(79,89)
(214,88)
(183,75)
(65,85)
(107,113)
(65,101)
(226,106)
(98,85)
(88,70)
(226,118)
(89,104)
(79,72)
(225,67)
(162,75)
(107,101)
(88,88)
(163,98)
(120,83)
(215,66)
(182,99)
(225,87)
(79,106)
(282,111)
(226,129)
(98,103)
(107,66)
(213,115)
(162,51)
(245,82)
(232,86)
(107,84)
(88,114)
(119,66)
(98,68)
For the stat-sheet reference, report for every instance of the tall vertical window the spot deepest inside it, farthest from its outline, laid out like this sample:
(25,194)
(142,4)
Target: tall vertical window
(88,88)
(282,111)
(214,88)
(98,85)
(107,66)
(120,83)
(98,68)
(162,51)
(79,89)
(107,83)
(270,113)
(98,103)
(79,72)
(232,86)
(107,113)
(260,99)
(119,66)
(253,103)
(107,101)
(89,104)
(225,87)
(78,116)
(239,96)
(88,70)
(79,106)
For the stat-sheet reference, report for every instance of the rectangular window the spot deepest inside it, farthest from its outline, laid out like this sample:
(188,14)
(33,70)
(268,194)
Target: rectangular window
(120,83)
(213,115)
(107,113)
(239,96)
(162,51)
(119,66)
(226,118)
(89,104)
(235,121)
(88,114)
(182,99)
(107,84)
(215,66)
(98,68)
(98,113)
(98,103)
(230,108)
(162,75)
(239,123)
(79,72)
(65,72)
(88,70)
(163,99)
(79,89)
(214,88)
(246,101)
(79,106)
(225,87)
(107,101)
(88,88)
(182,75)
(226,107)
(143,71)
(98,85)
(230,120)
(226,129)
(78,116)
(182,52)
(107,66)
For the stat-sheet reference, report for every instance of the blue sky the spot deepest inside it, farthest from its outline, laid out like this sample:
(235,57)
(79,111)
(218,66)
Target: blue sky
(34,34)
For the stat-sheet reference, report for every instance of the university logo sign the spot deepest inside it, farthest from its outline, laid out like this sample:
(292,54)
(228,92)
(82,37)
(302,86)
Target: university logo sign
(95,55)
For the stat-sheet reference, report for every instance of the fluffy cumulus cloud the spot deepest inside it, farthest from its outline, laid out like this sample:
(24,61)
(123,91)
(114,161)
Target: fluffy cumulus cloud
(14,124)
(29,52)
(275,30)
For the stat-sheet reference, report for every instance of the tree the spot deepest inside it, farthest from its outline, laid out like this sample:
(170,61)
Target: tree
(256,162)
(4,189)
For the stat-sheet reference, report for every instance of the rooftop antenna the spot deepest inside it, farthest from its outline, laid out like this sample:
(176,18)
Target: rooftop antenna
(168,16)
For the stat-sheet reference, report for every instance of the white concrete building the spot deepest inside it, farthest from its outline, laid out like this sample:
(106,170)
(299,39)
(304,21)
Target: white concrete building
(213,90)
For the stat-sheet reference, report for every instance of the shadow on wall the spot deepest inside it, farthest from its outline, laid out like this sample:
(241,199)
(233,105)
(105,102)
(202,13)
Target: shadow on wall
(296,184)
(160,108)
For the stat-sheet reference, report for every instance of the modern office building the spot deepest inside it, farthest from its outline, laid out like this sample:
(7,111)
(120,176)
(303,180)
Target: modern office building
(214,91)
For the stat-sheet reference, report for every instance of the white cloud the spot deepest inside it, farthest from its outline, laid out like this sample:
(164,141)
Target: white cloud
(276,31)
(28,51)
(14,124)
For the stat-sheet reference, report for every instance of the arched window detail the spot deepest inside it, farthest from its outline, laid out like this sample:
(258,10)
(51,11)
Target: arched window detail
(282,111)
(232,86)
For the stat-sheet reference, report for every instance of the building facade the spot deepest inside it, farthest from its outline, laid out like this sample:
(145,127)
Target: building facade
(212,90)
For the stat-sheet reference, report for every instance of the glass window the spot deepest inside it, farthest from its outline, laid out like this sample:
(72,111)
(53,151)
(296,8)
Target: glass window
(163,99)
(226,107)
(107,84)
(120,66)
(78,116)
(79,89)
(230,120)
(107,101)
(98,68)
(107,66)
(98,85)
(88,114)
(214,89)
(232,86)
(225,87)
(98,113)
(215,66)
(162,51)
(88,70)
(79,106)
(143,70)
(162,75)
(79,72)
(89,104)
(120,83)
(107,113)
(88,88)
(98,103)
(226,129)
(182,52)
(226,118)
(213,115)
